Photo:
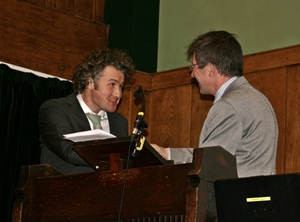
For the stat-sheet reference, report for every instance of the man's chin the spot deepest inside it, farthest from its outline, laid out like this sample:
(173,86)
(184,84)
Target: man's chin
(111,109)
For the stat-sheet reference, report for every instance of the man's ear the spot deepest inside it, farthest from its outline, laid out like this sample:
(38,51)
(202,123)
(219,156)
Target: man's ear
(91,84)
(212,69)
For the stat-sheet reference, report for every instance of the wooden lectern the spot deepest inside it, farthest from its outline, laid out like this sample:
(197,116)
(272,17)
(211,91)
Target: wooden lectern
(156,190)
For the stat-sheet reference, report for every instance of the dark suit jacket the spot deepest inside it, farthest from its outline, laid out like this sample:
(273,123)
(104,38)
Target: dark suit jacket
(63,116)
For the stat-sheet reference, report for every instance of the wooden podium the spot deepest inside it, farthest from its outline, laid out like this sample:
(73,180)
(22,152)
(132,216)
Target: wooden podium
(156,190)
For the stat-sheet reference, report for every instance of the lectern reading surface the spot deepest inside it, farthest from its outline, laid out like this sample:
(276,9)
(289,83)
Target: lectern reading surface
(153,193)
(112,154)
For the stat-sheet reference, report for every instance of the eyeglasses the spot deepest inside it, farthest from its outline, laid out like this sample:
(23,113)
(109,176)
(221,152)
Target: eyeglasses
(192,66)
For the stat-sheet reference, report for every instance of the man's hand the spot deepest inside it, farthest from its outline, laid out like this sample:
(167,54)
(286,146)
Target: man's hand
(161,150)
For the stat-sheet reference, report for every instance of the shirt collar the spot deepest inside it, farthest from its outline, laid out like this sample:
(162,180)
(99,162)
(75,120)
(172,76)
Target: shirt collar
(222,89)
(86,109)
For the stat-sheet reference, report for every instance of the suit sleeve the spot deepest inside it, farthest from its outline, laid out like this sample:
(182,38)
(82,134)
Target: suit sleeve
(118,124)
(54,122)
(222,127)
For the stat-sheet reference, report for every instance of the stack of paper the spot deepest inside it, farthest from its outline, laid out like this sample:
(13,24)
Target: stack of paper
(88,135)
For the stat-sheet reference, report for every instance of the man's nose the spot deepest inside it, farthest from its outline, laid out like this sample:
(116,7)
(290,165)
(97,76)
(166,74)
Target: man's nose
(117,92)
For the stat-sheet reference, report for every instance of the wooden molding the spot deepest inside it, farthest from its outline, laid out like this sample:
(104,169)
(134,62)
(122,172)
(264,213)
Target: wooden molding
(272,59)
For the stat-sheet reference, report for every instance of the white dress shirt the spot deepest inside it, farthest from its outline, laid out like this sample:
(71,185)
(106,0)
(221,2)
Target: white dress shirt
(104,119)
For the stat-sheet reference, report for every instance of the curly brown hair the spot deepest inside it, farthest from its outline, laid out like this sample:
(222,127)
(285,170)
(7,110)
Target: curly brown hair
(93,65)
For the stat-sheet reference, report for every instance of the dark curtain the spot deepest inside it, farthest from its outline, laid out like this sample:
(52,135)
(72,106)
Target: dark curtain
(21,95)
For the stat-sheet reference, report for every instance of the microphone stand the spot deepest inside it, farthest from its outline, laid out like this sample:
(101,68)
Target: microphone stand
(140,139)
(137,136)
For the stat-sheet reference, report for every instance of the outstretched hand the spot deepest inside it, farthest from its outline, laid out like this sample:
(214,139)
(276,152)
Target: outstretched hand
(161,150)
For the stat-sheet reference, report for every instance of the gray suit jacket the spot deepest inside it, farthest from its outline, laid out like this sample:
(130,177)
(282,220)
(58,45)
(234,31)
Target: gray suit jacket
(63,116)
(244,123)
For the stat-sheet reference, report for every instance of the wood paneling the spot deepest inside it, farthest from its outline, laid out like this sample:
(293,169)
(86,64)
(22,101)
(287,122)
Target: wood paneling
(48,36)
(272,83)
(93,10)
(200,107)
(172,110)
(292,140)
(46,40)
(176,111)
(272,59)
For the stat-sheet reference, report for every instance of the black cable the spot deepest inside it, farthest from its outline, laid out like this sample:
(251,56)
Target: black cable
(125,179)
(138,94)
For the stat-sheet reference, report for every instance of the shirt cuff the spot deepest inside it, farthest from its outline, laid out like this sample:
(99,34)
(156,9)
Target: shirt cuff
(168,153)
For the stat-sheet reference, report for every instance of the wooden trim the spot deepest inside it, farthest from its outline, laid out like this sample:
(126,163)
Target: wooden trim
(176,111)
(272,59)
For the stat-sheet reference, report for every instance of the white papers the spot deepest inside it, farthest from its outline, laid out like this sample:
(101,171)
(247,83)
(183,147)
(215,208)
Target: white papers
(88,135)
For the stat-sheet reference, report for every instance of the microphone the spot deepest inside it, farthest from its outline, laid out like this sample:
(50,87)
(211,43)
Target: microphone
(139,119)
(102,96)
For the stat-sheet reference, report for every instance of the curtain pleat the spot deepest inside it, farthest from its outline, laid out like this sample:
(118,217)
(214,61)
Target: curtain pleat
(21,95)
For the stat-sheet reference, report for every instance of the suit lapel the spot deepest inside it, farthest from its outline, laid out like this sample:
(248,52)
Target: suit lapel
(112,123)
(77,112)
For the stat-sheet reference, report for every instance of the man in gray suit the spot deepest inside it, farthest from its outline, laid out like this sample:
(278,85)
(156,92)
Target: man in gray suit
(242,120)
(98,83)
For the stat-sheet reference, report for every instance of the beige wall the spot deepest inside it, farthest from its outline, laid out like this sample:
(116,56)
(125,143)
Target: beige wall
(260,25)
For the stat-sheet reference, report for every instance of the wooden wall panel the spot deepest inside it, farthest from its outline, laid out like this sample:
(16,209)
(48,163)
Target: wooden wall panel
(272,83)
(174,110)
(292,154)
(170,116)
(52,36)
(130,106)
(92,10)
(46,40)
(200,107)
(123,107)
(171,78)
(272,59)
(171,95)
